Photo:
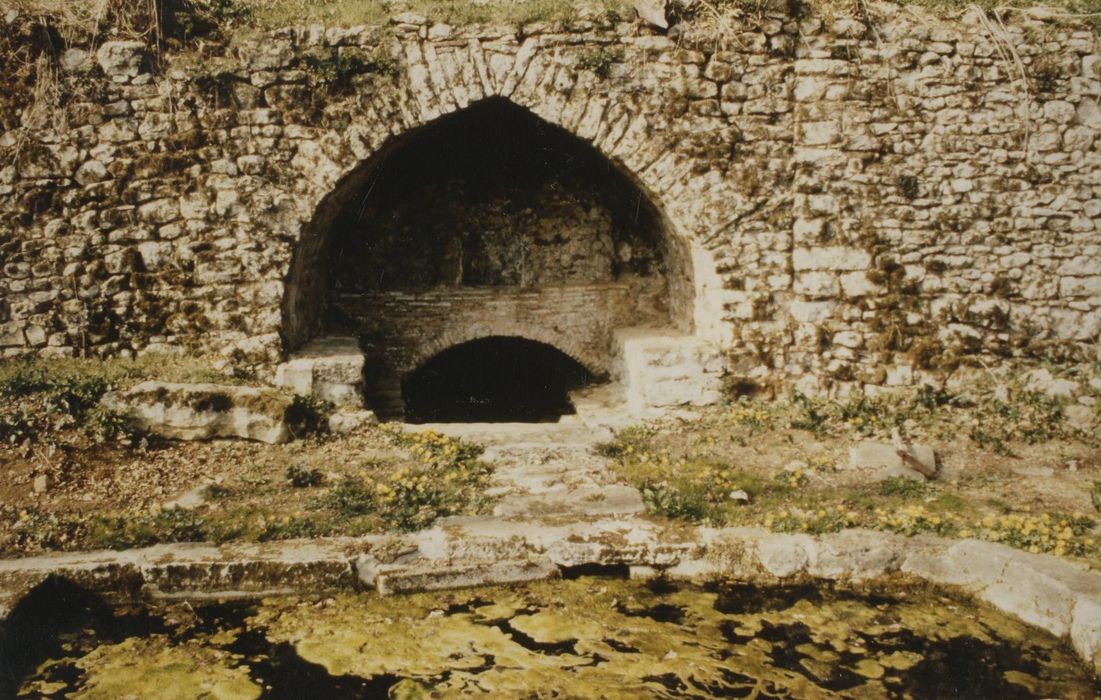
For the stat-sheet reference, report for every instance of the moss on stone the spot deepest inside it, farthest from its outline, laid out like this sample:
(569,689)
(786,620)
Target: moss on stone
(614,638)
(153,667)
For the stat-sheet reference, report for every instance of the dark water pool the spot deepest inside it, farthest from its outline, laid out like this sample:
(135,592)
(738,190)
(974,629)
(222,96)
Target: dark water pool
(585,638)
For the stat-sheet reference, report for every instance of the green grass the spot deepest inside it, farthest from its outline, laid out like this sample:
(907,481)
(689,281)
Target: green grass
(56,401)
(698,488)
(437,476)
(118,372)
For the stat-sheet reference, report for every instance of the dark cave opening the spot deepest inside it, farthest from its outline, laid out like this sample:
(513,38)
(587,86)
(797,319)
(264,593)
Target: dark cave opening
(493,380)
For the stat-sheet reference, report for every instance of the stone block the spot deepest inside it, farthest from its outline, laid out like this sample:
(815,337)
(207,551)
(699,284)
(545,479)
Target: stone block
(344,422)
(784,556)
(662,369)
(831,258)
(817,285)
(812,311)
(1080,286)
(899,375)
(11,335)
(159,211)
(883,461)
(330,368)
(429,575)
(857,284)
(820,133)
(121,61)
(1043,381)
(204,411)
(1085,628)
(855,555)
(849,339)
(91,172)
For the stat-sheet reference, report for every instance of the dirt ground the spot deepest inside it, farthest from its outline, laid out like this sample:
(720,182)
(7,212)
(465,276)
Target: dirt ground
(1052,476)
(1016,465)
(220,490)
(1013,471)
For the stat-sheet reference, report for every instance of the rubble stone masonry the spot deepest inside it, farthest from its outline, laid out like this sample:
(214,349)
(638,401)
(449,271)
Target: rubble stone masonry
(848,203)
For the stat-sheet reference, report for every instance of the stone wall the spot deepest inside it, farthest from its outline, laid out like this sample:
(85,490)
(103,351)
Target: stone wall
(847,204)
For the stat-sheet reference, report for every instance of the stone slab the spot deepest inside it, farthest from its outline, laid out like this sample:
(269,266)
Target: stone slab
(204,411)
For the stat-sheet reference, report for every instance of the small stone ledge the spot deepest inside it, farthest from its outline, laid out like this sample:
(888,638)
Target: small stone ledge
(330,368)
(1059,596)
(430,576)
(203,411)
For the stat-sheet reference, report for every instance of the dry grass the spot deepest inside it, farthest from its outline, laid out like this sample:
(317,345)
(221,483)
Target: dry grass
(81,21)
(276,13)
(723,20)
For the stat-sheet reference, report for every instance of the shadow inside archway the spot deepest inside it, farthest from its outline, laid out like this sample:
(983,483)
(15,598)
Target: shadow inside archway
(493,380)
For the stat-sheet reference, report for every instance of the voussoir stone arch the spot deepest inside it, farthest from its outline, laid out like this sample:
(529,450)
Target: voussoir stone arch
(437,79)
(595,363)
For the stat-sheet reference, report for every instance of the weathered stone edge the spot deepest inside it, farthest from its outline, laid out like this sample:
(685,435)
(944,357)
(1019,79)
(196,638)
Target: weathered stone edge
(1051,593)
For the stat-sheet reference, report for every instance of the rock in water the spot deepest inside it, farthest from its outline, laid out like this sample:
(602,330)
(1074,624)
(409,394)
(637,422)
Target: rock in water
(203,411)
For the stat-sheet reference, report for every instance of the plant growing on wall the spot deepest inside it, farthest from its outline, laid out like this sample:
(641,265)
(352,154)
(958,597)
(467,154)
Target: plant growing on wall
(599,61)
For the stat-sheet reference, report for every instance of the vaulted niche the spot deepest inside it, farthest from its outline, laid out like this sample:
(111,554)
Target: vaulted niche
(494,196)
(486,222)
(492,380)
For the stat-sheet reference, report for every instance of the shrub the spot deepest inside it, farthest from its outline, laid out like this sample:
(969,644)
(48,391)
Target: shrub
(1021,415)
(144,529)
(300,477)
(864,415)
(337,69)
(446,479)
(631,440)
(687,500)
(811,415)
(103,425)
(37,405)
(307,416)
(599,61)
(814,522)
(17,425)
(35,529)
(351,497)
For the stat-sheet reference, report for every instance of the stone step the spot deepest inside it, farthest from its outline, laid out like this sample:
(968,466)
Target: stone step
(591,501)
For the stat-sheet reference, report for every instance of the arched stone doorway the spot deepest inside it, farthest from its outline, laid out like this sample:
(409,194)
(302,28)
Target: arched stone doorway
(487,222)
(493,379)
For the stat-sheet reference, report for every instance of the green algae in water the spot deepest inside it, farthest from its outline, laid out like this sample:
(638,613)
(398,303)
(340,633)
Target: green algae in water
(584,638)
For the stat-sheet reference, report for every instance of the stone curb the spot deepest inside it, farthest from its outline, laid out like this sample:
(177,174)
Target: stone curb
(1056,595)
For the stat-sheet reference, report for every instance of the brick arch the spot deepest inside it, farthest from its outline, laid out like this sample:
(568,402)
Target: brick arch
(432,86)
(596,363)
